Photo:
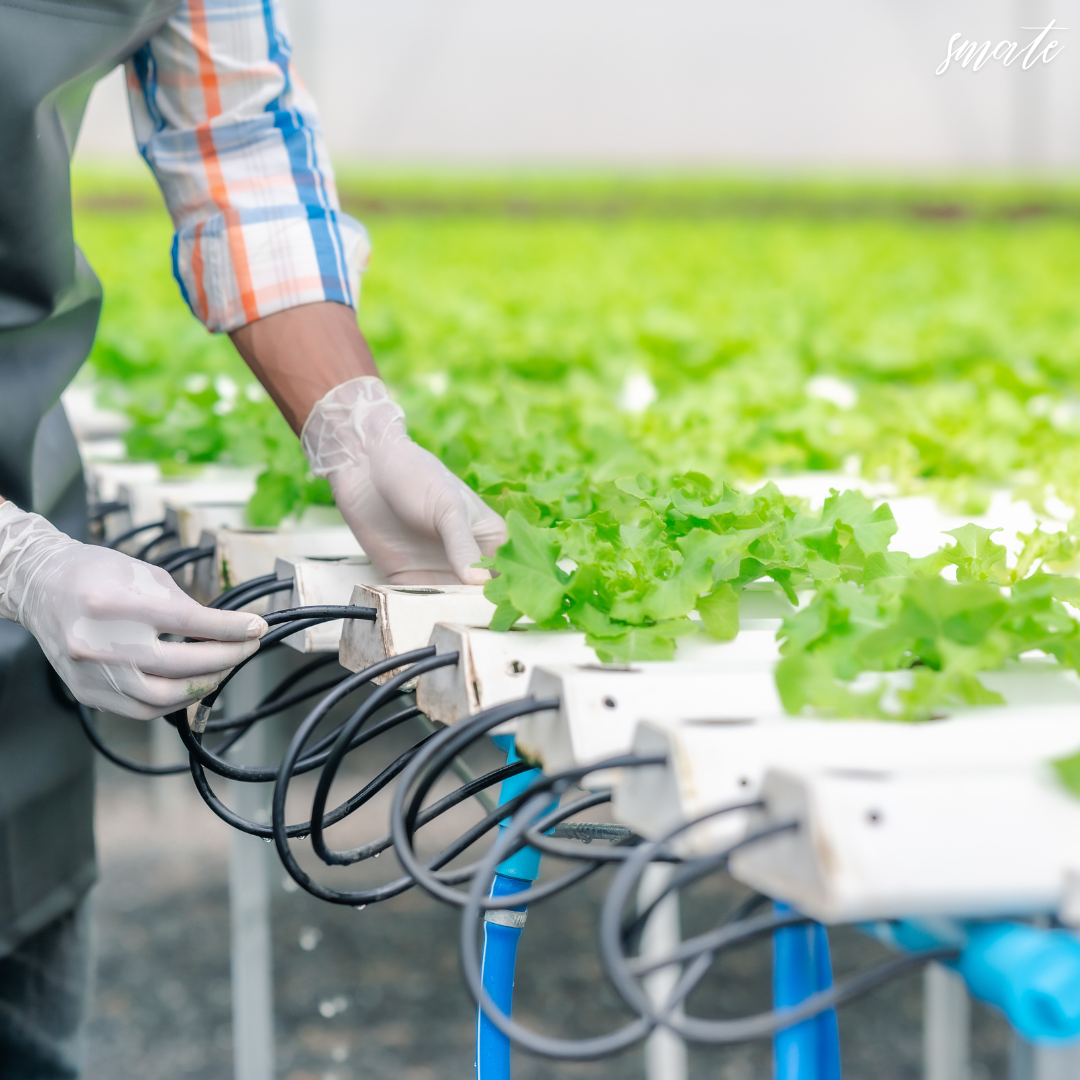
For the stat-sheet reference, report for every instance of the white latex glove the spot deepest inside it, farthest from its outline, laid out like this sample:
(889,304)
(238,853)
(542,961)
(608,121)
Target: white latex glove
(416,521)
(97,614)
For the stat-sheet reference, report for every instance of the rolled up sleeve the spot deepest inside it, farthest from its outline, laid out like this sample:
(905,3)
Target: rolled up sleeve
(235,142)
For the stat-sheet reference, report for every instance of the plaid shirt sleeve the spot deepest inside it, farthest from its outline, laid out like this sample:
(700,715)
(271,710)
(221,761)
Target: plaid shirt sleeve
(234,140)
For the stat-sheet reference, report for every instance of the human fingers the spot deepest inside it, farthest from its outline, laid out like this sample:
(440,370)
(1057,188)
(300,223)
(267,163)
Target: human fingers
(461,547)
(187,618)
(127,691)
(192,659)
(490,532)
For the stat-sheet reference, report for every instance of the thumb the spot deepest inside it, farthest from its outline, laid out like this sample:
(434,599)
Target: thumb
(460,544)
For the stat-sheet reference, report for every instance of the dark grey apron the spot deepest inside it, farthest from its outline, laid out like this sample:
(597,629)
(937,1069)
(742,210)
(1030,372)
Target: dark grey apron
(51,54)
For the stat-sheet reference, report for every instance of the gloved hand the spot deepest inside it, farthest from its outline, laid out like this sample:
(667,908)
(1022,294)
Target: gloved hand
(416,521)
(97,614)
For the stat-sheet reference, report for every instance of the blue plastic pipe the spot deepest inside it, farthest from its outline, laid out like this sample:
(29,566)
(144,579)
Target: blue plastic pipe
(497,975)
(809,1050)
(1030,973)
(500,942)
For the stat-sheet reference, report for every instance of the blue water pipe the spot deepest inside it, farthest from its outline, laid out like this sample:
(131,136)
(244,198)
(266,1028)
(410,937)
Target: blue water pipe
(809,1050)
(1030,973)
(501,938)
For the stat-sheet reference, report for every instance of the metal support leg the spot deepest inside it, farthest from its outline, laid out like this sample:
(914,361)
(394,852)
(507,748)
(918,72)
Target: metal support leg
(1030,1062)
(946,1025)
(665,1052)
(169,792)
(249,912)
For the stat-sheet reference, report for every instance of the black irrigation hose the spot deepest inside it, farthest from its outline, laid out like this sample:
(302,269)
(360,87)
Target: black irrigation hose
(321,613)
(191,742)
(436,757)
(176,560)
(547,1046)
(531,818)
(690,871)
(127,534)
(302,619)
(293,832)
(394,888)
(168,534)
(561,1049)
(103,510)
(438,753)
(455,798)
(350,729)
(702,951)
(275,702)
(118,759)
(225,599)
(418,663)
(255,774)
(250,595)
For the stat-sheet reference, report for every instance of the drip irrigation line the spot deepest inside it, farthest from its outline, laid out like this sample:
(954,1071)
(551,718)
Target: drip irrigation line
(144,551)
(455,798)
(293,832)
(351,727)
(323,612)
(226,597)
(102,510)
(242,597)
(127,534)
(464,773)
(280,830)
(273,703)
(407,881)
(436,757)
(275,696)
(281,628)
(543,1045)
(177,560)
(548,1046)
(691,871)
(262,774)
(702,951)
(118,759)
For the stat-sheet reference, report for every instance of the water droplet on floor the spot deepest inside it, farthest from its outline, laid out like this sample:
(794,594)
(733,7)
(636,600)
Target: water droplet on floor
(268,839)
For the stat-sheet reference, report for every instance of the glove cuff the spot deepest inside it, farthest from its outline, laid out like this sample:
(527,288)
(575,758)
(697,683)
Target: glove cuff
(26,543)
(344,422)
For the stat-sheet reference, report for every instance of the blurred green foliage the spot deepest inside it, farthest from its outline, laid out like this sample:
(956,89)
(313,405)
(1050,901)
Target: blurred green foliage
(551,337)
(511,330)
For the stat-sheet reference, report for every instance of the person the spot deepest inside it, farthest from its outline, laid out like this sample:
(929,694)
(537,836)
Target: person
(263,252)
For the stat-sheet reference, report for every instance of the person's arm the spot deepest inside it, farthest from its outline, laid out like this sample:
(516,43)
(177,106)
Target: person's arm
(301,354)
(418,523)
(263,251)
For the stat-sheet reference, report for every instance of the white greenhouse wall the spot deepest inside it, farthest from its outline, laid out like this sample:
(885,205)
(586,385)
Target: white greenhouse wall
(783,83)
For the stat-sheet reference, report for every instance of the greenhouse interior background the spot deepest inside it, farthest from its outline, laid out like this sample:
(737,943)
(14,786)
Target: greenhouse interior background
(615,243)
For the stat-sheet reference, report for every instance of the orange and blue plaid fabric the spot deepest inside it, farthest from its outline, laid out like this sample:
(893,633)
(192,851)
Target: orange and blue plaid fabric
(234,140)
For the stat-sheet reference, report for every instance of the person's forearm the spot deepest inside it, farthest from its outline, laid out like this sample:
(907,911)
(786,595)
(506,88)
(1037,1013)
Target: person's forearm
(302,353)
